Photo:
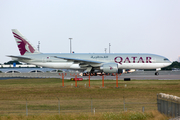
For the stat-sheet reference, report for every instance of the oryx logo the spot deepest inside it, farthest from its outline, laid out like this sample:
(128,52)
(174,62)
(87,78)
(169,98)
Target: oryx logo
(23,45)
(111,67)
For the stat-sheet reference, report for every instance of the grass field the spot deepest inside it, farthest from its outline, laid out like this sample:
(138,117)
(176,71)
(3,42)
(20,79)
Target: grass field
(75,103)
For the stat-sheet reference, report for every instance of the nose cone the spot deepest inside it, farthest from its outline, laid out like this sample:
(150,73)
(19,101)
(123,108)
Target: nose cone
(167,62)
(170,62)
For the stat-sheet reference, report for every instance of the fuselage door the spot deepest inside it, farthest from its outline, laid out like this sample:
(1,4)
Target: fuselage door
(43,60)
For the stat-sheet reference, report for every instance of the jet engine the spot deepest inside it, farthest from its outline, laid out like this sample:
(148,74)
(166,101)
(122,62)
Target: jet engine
(109,68)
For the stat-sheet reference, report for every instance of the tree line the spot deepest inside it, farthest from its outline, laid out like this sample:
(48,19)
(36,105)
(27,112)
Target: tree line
(175,64)
(12,62)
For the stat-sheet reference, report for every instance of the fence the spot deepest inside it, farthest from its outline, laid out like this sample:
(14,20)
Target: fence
(31,75)
(168,104)
(59,106)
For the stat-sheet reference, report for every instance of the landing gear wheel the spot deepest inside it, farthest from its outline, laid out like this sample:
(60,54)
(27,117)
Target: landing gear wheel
(157,73)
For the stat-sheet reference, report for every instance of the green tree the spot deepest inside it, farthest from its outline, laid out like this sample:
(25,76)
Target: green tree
(11,62)
(175,64)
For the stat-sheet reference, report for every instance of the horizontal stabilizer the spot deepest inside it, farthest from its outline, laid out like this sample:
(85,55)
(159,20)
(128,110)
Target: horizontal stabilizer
(19,57)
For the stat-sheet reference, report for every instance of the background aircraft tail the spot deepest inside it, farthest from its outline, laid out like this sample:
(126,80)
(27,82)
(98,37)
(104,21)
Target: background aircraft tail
(23,44)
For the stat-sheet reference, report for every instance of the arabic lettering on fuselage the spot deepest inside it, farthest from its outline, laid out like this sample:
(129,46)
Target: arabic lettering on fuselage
(95,57)
(132,59)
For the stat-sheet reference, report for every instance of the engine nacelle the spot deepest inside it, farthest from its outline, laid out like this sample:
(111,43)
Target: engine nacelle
(110,68)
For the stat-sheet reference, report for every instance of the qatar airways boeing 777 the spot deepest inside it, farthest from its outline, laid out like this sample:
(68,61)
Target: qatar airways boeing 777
(91,62)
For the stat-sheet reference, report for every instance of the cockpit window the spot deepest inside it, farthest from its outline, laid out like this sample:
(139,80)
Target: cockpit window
(165,59)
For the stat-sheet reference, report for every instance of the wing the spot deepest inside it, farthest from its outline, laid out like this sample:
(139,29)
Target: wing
(19,57)
(79,60)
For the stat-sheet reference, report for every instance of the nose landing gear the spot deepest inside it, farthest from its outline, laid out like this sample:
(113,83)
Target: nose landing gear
(157,73)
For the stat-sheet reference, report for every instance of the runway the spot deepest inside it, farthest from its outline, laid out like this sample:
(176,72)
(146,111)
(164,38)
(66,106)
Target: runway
(138,75)
(148,75)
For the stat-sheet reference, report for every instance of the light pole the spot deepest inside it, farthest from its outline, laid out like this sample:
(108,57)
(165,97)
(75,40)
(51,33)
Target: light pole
(105,49)
(70,45)
(38,46)
(109,47)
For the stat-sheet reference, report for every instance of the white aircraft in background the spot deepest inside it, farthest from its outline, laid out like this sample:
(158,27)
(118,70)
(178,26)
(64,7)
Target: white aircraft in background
(91,62)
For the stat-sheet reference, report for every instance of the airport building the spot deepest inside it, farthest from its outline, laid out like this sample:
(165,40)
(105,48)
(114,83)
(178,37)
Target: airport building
(179,58)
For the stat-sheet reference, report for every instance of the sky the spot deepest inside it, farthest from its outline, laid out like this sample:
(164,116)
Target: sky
(130,26)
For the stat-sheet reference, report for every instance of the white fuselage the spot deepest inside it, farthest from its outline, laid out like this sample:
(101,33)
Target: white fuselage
(124,61)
